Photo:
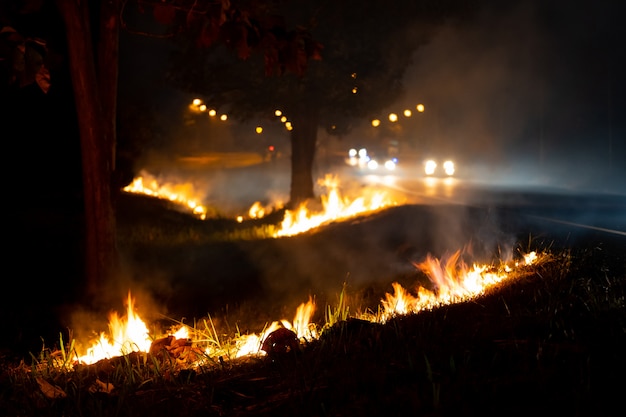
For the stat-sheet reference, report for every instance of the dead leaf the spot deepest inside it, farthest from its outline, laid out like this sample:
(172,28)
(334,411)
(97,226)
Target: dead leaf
(99,386)
(43,79)
(49,390)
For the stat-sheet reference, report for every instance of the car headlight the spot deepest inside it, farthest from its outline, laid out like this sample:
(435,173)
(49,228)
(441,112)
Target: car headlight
(429,167)
(372,164)
(448,168)
(390,165)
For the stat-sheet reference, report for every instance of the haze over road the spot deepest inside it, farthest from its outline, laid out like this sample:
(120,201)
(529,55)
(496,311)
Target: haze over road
(234,181)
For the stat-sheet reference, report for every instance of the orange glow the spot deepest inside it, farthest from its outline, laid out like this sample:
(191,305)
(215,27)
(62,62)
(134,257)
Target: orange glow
(257,211)
(126,334)
(453,282)
(179,193)
(335,207)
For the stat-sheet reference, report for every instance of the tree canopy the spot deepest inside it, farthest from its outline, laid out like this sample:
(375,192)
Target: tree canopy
(364,50)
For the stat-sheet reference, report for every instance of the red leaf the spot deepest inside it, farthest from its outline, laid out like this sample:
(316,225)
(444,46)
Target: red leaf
(209,34)
(164,13)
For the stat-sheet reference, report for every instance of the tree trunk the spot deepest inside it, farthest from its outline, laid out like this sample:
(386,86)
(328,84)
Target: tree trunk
(107,68)
(96,144)
(303,143)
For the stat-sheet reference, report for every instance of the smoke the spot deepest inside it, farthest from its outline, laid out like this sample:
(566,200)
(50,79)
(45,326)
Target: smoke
(506,94)
(527,92)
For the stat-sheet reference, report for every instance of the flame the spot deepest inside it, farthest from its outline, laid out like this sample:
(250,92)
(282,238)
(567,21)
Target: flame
(454,282)
(256,211)
(126,334)
(177,193)
(250,344)
(335,207)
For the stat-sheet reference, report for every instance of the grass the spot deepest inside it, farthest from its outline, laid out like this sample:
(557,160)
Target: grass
(550,342)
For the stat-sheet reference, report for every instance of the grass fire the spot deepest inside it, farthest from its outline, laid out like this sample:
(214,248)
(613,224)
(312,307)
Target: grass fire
(453,332)
(454,282)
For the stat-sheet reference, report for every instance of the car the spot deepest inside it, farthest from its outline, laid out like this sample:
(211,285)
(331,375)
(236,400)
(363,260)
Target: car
(440,168)
(371,162)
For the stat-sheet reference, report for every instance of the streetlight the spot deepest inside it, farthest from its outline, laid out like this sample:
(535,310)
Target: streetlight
(376,122)
(393,117)
(407,113)
(420,108)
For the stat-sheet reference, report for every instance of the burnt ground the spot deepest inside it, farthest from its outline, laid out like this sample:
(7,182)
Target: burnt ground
(551,343)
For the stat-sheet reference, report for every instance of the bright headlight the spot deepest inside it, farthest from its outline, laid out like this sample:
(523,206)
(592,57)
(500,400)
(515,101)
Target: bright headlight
(448,168)
(429,167)
(390,165)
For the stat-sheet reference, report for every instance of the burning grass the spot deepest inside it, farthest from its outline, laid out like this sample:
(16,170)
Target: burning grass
(271,221)
(549,341)
(530,336)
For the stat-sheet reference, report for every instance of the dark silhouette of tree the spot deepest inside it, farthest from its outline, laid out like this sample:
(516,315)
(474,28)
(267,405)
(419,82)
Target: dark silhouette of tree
(91,57)
(366,47)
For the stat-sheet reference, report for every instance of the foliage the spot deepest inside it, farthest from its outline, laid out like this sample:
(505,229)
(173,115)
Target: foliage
(365,49)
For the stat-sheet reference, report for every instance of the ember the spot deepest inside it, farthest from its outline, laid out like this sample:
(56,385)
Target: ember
(452,280)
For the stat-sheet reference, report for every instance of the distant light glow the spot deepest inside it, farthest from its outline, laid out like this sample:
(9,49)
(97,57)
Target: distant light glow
(429,167)
(390,165)
(212,112)
(420,108)
(376,122)
(354,90)
(393,117)
(278,113)
(448,167)
(283,119)
(407,113)
(196,101)
(202,107)
(224,117)
(259,129)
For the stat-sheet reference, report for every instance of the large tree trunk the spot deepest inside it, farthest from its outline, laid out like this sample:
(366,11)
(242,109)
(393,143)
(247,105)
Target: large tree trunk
(303,143)
(96,138)
(107,68)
